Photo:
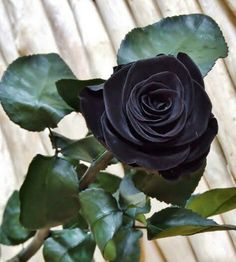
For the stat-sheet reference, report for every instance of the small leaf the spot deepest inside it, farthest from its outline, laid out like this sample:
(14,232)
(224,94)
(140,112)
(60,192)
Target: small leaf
(130,195)
(103,215)
(171,191)
(108,182)
(49,194)
(174,221)
(59,141)
(69,245)
(213,202)
(126,241)
(133,201)
(28,92)
(197,35)
(11,230)
(69,90)
(86,149)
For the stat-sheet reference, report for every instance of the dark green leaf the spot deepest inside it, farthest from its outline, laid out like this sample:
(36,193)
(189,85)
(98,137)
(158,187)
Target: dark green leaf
(69,245)
(130,195)
(86,149)
(11,230)
(126,241)
(197,35)
(77,221)
(176,191)
(133,201)
(110,183)
(59,141)
(69,90)
(213,202)
(171,191)
(28,92)
(49,194)
(89,147)
(103,215)
(174,221)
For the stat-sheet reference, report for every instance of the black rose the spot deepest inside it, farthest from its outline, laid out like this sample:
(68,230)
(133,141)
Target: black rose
(153,113)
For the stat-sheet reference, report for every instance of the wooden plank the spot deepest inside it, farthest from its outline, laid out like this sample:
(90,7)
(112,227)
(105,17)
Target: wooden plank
(117,19)
(144,14)
(94,36)
(67,36)
(219,12)
(30,27)
(7,43)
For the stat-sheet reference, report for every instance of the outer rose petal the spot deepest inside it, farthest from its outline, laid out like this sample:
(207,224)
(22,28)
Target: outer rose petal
(197,122)
(131,154)
(192,68)
(113,90)
(92,107)
(201,146)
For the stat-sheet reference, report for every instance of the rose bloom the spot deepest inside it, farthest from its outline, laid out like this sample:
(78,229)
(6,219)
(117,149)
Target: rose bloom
(153,113)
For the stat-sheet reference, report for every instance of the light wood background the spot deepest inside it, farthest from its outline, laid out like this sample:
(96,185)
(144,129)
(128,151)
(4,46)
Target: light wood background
(87,35)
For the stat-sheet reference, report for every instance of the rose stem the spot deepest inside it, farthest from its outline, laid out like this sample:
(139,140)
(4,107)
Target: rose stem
(26,253)
(99,164)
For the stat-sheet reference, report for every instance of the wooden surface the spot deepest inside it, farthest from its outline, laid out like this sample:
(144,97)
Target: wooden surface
(87,35)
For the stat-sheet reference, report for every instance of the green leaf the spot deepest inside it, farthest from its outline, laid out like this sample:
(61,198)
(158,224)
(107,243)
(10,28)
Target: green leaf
(69,90)
(103,215)
(59,141)
(28,92)
(49,194)
(77,221)
(133,201)
(11,230)
(171,191)
(130,195)
(126,241)
(69,245)
(108,182)
(86,149)
(213,202)
(197,35)
(174,221)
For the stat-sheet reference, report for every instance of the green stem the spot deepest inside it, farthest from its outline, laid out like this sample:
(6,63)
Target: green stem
(99,164)
(26,253)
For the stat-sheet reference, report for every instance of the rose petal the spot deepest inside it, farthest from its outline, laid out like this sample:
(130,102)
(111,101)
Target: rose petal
(113,90)
(197,122)
(143,69)
(201,146)
(157,159)
(192,68)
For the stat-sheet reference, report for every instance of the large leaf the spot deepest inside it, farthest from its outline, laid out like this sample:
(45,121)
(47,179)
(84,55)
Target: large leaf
(197,35)
(213,202)
(11,230)
(69,245)
(171,191)
(104,217)
(49,194)
(86,149)
(69,90)
(126,241)
(174,221)
(28,92)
